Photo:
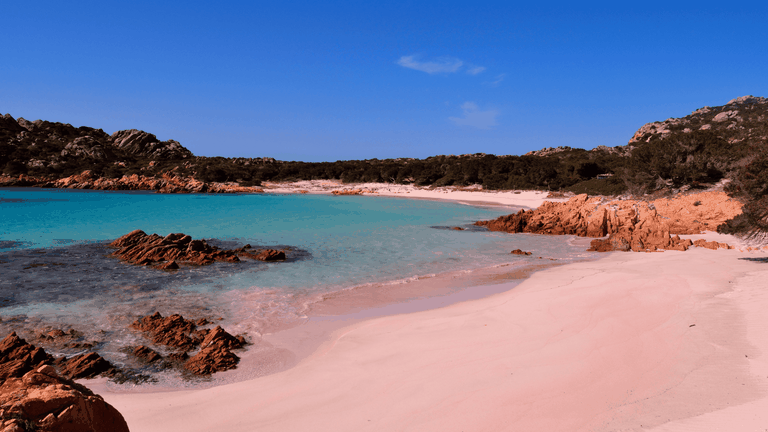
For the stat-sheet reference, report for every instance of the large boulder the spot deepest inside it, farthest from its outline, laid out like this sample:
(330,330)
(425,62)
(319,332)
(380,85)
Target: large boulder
(33,396)
(41,400)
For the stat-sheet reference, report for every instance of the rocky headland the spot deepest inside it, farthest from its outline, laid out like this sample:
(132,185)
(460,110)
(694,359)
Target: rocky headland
(34,396)
(630,225)
(167,252)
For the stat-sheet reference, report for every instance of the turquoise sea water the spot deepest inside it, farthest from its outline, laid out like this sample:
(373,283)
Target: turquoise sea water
(55,272)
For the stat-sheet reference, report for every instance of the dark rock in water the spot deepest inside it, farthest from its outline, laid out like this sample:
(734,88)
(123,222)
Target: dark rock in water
(71,339)
(170,265)
(147,354)
(173,331)
(18,357)
(211,359)
(178,332)
(457,228)
(266,255)
(520,252)
(81,366)
(215,354)
(178,356)
(139,248)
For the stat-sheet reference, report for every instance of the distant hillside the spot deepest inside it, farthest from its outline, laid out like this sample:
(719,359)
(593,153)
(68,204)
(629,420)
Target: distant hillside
(58,149)
(728,142)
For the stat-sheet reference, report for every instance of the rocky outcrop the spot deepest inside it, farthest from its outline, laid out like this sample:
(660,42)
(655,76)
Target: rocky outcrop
(139,248)
(740,119)
(711,244)
(17,357)
(215,354)
(213,345)
(33,396)
(145,144)
(265,255)
(84,366)
(166,252)
(520,252)
(630,225)
(173,331)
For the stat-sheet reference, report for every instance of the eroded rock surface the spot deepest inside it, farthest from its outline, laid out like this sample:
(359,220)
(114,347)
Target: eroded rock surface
(631,225)
(167,252)
(137,247)
(33,396)
(213,345)
(266,255)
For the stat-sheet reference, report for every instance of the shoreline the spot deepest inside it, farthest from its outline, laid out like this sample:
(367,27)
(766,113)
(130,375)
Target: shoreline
(605,344)
(283,345)
(627,342)
(461,195)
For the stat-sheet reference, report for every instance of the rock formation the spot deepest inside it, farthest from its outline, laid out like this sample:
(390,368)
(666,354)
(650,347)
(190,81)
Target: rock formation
(631,225)
(166,252)
(348,192)
(265,255)
(137,247)
(520,252)
(33,396)
(214,345)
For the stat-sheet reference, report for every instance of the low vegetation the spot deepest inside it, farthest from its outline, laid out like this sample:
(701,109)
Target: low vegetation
(712,144)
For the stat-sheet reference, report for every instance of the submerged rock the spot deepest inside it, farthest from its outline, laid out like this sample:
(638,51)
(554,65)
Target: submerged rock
(147,354)
(81,366)
(520,252)
(266,255)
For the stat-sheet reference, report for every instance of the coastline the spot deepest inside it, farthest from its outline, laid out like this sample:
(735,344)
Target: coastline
(628,342)
(462,195)
(435,367)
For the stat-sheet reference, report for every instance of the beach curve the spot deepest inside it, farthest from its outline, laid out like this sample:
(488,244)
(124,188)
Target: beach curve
(628,342)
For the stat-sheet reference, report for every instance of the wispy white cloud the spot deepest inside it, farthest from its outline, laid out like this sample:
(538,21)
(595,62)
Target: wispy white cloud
(496,80)
(474,70)
(438,65)
(474,117)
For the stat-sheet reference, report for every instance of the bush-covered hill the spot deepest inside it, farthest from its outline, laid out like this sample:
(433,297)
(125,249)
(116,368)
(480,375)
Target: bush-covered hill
(709,145)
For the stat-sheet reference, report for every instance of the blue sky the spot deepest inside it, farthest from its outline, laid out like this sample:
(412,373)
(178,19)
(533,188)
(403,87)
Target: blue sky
(324,81)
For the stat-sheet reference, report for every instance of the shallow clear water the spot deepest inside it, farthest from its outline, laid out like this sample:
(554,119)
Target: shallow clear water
(55,272)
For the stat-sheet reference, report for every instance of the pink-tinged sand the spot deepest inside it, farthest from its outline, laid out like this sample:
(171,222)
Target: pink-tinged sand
(672,341)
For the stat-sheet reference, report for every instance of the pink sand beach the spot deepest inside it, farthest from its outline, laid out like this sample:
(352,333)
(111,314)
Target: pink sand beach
(670,341)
